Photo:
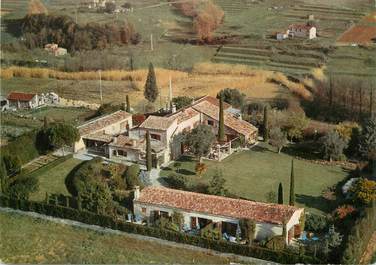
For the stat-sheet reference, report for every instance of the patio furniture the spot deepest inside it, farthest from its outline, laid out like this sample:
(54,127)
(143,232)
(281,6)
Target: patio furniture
(232,239)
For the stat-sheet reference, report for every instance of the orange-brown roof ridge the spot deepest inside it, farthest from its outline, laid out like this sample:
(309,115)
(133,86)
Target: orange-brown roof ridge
(216,205)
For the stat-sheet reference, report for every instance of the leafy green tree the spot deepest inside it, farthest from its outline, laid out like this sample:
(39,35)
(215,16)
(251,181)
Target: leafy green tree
(132,176)
(280,193)
(217,185)
(200,140)
(265,127)
(292,185)
(61,134)
(151,88)
(277,139)
(89,186)
(233,97)
(182,101)
(221,127)
(149,157)
(22,187)
(296,123)
(367,142)
(248,228)
(333,146)
(12,164)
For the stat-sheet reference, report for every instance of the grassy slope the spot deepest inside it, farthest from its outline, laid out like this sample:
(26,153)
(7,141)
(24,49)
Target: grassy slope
(53,181)
(29,240)
(251,174)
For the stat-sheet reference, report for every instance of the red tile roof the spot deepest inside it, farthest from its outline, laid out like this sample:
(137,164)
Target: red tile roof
(21,96)
(216,205)
(213,101)
(184,114)
(103,122)
(211,110)
(157,123)
(300,26)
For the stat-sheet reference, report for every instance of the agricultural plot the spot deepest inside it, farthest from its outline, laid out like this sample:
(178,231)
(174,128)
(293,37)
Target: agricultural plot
(256,24)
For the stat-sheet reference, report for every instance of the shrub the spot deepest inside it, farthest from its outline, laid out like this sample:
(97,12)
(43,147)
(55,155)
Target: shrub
(315,222)
(132,176)
(177,181)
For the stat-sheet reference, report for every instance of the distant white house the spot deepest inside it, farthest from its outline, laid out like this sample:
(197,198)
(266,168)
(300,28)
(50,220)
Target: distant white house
(18,100)
(200,210)
(299,31)
(55,49)
(302,31)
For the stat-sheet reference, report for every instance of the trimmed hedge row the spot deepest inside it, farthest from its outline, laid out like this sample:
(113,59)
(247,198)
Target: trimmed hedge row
(107,221)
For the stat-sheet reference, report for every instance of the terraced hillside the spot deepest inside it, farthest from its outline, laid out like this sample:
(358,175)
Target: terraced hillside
(256,22)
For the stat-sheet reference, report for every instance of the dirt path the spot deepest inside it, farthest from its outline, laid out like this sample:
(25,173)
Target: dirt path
(137,237)
(370,250)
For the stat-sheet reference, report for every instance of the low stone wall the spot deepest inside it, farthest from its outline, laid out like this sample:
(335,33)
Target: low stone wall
(78,103)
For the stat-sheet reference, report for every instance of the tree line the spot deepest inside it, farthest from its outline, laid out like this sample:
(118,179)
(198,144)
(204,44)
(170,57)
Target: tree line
(41,29)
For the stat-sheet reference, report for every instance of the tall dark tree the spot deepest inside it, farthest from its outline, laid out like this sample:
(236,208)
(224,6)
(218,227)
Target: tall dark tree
(221,127)
(128,109)
(266,124)
(280,193)
(149,162)
(292,185)
(367,143)
(151,88)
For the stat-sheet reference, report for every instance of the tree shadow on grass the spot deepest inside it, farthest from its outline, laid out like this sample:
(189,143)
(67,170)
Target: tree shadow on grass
(184,171)
(316,202)
(258,148)
(308,150)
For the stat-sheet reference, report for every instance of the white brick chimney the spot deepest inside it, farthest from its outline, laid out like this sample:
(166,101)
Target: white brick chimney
(136,192)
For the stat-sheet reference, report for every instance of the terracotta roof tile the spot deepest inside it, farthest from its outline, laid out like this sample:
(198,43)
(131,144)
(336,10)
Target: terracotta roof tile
(21,96)
(216,205)
(184,114)
(212,111)
(103,122)
(157,123)
(99,136)
(213,101)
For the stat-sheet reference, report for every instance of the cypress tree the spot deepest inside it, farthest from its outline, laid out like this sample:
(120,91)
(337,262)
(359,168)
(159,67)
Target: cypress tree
(45,122)
(292,185)
(221,127)
(151,88)
(148,152)
(128,104)
(280,194)
(266,124)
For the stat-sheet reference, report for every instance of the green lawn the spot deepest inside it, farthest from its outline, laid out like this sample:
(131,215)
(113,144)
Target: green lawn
(252,174)
(30,240)
(53,181)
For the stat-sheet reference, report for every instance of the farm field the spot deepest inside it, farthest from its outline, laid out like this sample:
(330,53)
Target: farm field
(205,79)
(53,181)
(30,240)
(252,174)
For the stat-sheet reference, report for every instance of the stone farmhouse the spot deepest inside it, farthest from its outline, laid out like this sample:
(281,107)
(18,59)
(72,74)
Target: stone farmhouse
(298,30)
(114,136)
(200,210)
(18,100)
(55,49)
(302,31)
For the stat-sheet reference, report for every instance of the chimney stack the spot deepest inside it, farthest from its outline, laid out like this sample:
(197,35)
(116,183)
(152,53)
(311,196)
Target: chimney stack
(173,109)
(136,192)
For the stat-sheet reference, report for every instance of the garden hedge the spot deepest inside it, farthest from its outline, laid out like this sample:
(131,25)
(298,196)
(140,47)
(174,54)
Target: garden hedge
(108,222)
